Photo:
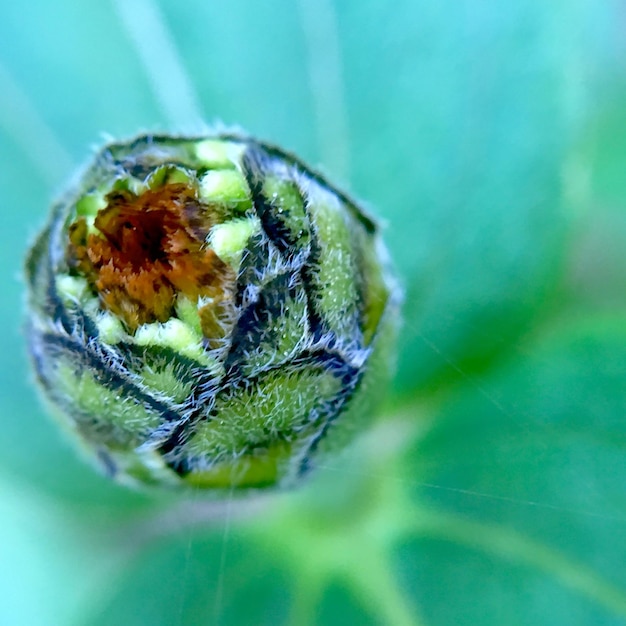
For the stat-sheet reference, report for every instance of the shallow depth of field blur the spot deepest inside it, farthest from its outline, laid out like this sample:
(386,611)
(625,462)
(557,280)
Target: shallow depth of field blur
(491,139)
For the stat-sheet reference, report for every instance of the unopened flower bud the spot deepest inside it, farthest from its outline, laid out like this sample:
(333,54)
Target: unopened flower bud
(208,311)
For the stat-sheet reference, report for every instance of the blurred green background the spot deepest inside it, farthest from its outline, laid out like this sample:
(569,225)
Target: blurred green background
(491,138)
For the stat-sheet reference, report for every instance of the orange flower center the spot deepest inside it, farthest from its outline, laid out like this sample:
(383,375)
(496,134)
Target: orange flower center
(148,249)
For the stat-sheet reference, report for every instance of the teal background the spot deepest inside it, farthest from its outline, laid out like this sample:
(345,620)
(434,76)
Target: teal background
(489,137)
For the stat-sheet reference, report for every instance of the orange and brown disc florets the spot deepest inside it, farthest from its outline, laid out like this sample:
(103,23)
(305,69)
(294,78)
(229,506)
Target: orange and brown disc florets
(148,249)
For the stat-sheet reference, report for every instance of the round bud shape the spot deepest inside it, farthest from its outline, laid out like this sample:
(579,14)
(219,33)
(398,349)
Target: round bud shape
(207,311)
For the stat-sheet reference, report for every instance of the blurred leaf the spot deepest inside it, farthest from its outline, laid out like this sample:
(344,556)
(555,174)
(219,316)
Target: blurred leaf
(50,570)
(595,273)
(181,581)
(473,127)
(525,471)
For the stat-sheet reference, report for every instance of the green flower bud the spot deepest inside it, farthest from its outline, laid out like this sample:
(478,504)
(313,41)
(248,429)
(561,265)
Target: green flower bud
(208,311)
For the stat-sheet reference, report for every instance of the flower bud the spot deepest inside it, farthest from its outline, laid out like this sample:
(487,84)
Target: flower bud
(208,311)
